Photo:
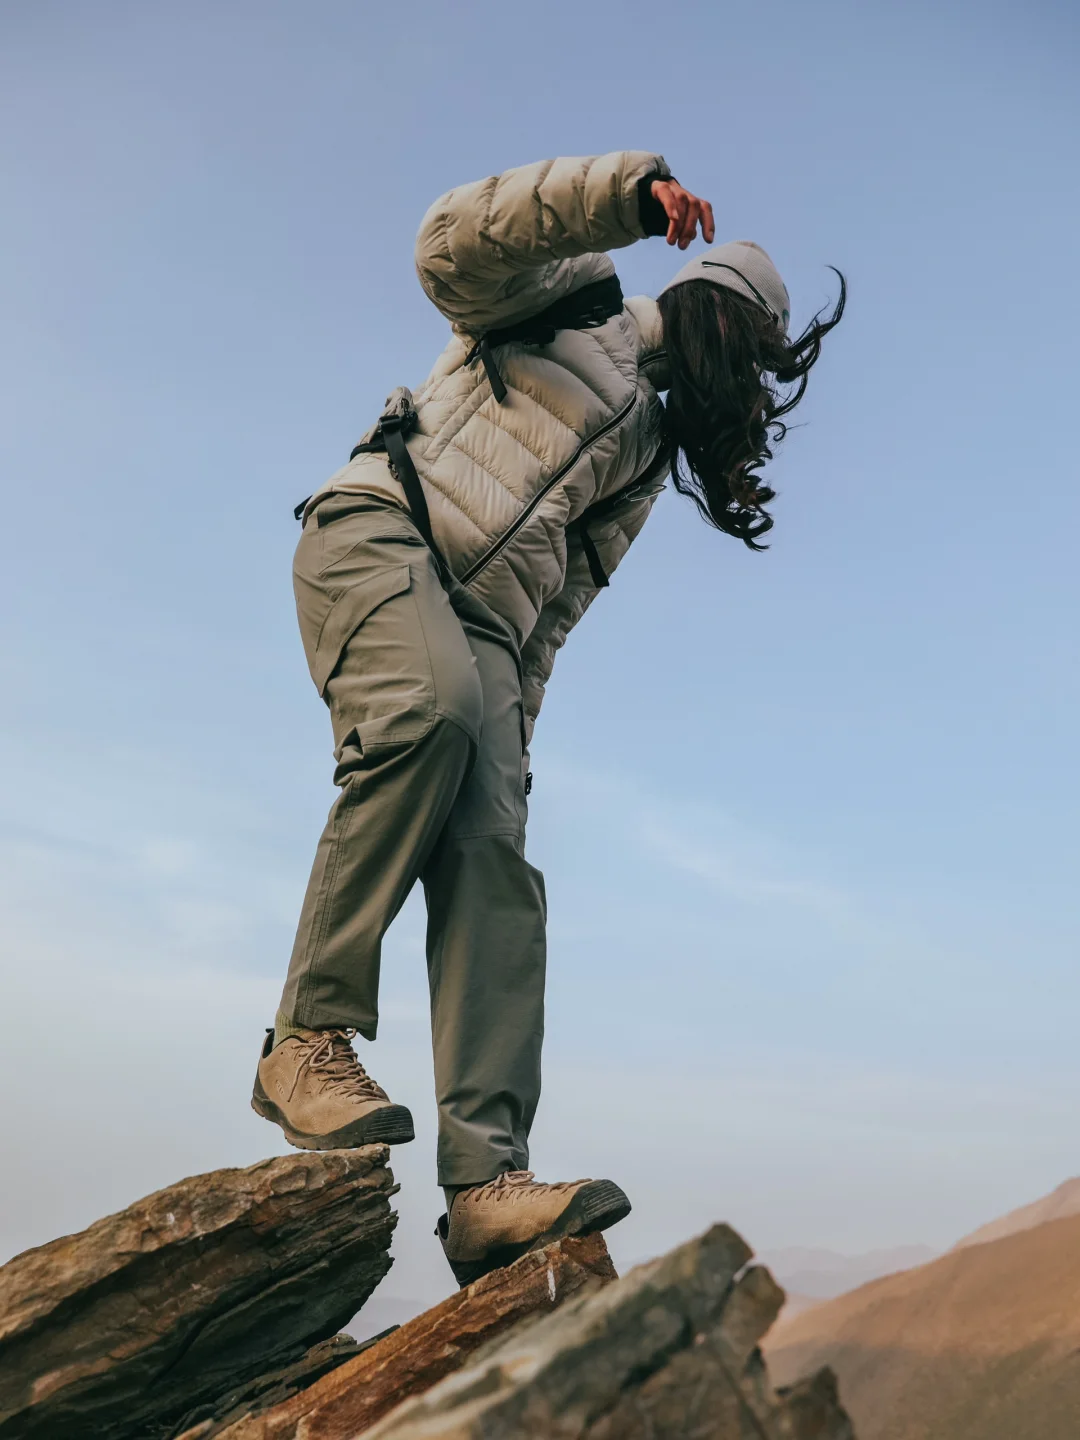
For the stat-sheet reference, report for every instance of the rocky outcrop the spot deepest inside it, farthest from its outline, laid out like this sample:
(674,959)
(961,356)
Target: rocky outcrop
(270,1388)
(136,1322)
(208,1312)
(354,1395)
(670,1352)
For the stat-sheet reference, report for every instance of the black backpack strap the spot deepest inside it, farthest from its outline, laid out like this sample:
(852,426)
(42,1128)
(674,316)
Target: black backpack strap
(401,463)
(482,348)
(582,309)
(592,555)
(602,509)
(388,437)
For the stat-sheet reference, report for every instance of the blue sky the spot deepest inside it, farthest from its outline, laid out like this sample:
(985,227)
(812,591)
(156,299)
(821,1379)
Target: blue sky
(808,819)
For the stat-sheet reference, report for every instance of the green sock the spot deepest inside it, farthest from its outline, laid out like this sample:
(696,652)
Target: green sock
(284,1026)
(449,1191)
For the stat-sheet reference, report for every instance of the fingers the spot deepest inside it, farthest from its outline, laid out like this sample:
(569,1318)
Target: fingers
(674,200)
(684,211)
(690,223)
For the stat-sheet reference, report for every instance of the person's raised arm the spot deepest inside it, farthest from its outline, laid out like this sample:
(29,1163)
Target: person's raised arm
(490,252)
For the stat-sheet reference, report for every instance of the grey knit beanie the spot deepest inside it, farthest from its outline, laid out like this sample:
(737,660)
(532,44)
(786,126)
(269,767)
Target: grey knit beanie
(744,267)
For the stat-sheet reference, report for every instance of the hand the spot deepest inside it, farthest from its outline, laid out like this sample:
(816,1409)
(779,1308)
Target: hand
(683,211)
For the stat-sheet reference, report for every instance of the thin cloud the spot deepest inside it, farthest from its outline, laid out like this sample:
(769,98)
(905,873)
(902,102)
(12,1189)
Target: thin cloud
(727,870)
(704,843)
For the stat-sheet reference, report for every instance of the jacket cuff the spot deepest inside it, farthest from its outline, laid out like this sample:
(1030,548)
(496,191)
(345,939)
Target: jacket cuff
(651,213)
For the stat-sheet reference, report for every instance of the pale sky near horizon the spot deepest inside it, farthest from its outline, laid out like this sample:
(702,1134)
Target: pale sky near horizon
(808,819)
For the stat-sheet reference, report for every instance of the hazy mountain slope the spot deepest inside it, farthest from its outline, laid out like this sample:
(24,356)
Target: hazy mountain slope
(982,1344)
(1063,1201)
(821,1274)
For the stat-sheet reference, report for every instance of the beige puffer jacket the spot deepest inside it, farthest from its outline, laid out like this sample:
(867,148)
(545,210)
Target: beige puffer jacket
(581,423)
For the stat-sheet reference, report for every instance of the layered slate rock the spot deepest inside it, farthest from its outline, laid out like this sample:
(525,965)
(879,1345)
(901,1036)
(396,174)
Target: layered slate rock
(270,1388)
(670,1352)
(126,1328)
(354,1395)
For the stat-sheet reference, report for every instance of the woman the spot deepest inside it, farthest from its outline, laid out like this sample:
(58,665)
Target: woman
(437,575)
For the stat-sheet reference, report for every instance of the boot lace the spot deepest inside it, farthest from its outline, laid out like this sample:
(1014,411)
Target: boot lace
(341,1073)
(514,1185)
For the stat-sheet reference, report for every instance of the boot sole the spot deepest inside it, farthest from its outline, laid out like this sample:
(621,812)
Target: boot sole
(389,1125)
(596,1206)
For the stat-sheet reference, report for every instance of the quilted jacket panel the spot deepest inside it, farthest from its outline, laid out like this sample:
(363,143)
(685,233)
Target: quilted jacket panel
(582,422)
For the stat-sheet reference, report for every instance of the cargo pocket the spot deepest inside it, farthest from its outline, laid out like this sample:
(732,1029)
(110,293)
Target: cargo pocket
(347,614)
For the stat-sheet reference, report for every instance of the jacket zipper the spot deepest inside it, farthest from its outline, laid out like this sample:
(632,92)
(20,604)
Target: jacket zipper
(500,545)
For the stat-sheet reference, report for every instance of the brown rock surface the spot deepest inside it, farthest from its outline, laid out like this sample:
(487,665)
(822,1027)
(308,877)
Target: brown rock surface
(982,1344)
(131,1324)
(408,1362)
(271,1387)
(670,1352)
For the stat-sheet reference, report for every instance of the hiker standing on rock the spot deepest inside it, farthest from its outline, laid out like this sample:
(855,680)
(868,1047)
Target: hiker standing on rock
(436,577)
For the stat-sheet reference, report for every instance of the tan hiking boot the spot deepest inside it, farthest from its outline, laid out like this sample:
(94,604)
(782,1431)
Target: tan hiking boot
(492,1225)
(315,1088)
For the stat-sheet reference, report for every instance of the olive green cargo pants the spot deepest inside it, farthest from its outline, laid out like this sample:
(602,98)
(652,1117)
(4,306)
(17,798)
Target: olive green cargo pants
(424,690)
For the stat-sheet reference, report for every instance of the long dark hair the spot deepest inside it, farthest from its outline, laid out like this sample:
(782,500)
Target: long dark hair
(733,377)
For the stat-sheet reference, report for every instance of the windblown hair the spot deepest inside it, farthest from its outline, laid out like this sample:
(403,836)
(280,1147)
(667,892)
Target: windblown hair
(733,378)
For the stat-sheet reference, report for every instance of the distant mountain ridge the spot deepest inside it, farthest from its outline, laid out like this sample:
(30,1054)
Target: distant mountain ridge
(980,1344)
(1058,1205)
(816,1274)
